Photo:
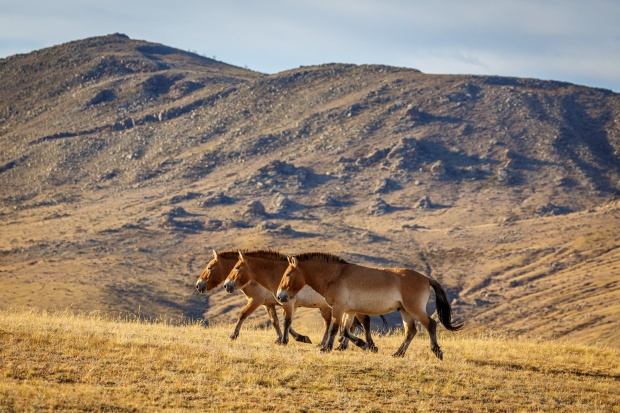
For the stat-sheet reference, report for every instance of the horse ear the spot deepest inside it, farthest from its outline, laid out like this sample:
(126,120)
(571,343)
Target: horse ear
(292,261)
(241,256)
(214,255)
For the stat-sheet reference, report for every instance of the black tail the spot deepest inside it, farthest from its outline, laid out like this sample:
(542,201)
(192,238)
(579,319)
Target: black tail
(386,326)
(443,308)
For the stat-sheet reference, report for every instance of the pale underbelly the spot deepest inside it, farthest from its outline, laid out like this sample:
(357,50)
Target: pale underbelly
(307,297)
(372,305)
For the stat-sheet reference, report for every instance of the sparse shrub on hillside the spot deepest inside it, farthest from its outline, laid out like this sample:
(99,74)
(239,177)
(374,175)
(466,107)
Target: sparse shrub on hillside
(103,96)
(254,209)
(386,185)
(219,198)
(378,207)
(179,219)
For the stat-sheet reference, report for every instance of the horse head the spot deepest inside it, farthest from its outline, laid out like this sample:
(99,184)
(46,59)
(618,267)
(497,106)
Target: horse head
(212,276)
(239,276)
(292,281)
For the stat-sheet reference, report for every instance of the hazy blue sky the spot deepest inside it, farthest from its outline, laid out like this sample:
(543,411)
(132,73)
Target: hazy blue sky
(567,40)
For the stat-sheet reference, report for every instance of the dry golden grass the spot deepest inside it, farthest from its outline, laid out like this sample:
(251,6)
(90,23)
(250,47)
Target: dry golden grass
(65,362)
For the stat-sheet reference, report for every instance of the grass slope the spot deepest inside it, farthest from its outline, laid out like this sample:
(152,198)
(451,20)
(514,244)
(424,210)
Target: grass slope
(65,362)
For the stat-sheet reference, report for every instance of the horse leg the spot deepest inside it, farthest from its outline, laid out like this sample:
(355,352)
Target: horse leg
(289,310)
(245,312)
(410,331)
(344,341)
(326,313)
(273,316)
(431,326)
(417,307)
(289,313)
(337,314)
(365,320)
(299,337)
(347,332)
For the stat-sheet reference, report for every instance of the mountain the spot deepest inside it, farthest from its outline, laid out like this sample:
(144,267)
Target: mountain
(123,163)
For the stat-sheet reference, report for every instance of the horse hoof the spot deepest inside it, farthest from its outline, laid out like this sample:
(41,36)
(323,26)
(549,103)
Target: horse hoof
(398,354)
(234,336)
(279,341)
(341,347)
(325,350)
(307,340)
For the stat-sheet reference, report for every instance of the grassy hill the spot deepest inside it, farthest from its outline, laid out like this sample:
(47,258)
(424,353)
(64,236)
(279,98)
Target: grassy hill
(65,362)
(124,162)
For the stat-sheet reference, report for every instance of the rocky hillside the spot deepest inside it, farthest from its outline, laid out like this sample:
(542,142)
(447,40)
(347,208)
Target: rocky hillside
(123,163)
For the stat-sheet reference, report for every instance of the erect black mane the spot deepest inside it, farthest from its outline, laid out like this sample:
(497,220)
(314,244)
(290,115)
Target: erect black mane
(321,256)
(267,254)
(229,254)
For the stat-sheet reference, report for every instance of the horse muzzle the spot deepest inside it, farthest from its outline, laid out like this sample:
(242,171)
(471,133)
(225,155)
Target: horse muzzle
(282,296)
(200,286)
(229,286)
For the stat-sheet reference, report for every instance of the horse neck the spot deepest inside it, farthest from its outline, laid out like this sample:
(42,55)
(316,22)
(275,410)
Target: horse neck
(268,273)
(228,263)
(318,274)
(227,266)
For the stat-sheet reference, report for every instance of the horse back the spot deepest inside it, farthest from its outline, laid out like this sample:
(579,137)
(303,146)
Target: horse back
(359,283)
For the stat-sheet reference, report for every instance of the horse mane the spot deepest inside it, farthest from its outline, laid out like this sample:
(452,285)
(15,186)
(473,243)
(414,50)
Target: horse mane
(229,254)
(267,254)
(321,256)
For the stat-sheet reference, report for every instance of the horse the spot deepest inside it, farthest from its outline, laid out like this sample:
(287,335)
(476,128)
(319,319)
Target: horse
(265,268)
(215,274)
(349,288)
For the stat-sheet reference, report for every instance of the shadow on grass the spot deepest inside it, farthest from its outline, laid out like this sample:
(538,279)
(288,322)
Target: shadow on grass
(535,369)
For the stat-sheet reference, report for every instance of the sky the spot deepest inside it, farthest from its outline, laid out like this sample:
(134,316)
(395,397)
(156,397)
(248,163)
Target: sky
(566,40)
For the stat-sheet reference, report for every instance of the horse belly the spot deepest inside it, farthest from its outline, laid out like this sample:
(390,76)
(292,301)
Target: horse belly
(374,304)
(307,297)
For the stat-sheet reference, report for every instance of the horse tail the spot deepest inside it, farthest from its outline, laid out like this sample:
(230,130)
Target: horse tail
(443,308)
(386,325)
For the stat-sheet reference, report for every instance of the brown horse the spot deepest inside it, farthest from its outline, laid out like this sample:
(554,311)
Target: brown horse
(265,268)
(214,275)
(349,288)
